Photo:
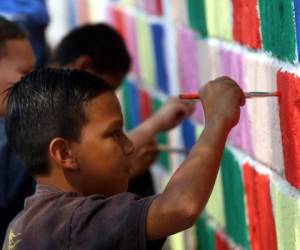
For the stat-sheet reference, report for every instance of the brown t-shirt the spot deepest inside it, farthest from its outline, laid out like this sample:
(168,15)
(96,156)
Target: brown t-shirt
(53,219)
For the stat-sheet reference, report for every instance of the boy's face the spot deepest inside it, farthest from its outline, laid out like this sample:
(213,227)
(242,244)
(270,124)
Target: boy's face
(18,59)
(103,152)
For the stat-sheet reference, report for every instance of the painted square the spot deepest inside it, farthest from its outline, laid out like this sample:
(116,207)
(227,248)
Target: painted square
(278,28)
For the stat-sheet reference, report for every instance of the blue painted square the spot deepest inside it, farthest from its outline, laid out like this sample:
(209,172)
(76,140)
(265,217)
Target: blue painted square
(297,19)
(188,134)
(158,36)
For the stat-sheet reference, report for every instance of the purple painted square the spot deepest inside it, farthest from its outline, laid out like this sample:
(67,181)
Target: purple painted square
(232,65)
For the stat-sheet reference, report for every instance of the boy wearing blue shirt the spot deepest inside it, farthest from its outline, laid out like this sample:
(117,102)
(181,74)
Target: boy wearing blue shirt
(16,59)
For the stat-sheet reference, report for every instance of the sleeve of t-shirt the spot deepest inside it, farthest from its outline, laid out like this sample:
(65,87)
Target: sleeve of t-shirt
(117,222)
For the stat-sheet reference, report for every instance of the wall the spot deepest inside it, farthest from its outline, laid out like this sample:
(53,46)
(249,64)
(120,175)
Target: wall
(179,45)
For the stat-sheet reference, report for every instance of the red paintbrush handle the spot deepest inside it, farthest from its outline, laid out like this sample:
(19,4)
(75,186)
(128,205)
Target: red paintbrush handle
(190,96)
(196,96)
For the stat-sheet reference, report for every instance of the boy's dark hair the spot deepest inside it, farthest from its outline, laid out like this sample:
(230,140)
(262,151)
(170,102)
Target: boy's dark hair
(45,104)
(9,31)
(99,41)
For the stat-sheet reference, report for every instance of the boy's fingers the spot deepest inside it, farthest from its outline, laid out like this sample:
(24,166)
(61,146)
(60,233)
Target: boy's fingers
(152,146)
(189,110)
(184,108)
(222,78)
(243,99)
(230,82)
(188,105)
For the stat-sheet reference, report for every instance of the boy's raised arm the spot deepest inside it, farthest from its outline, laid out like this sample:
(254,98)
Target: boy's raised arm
(186,194)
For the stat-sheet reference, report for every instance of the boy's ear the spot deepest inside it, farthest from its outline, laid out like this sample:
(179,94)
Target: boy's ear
(83,62)
(60,151)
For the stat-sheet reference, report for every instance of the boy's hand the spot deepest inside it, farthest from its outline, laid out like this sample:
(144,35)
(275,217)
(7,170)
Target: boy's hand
(172,113)
(143,158)
(221,100)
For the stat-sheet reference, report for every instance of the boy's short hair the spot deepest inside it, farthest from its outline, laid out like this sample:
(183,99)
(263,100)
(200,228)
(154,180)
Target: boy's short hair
(99,41)
(9,31)
(45,104)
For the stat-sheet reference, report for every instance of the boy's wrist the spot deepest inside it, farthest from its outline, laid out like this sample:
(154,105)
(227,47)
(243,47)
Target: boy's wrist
(219,122)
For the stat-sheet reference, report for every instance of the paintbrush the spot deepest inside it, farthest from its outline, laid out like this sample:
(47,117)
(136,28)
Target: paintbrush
(166,148)
(196,96)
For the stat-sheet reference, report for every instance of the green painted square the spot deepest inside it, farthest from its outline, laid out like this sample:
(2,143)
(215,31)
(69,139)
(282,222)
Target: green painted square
(205,235)
(278,28)
(236,226)
(162,138)
(163,156)
(196,10)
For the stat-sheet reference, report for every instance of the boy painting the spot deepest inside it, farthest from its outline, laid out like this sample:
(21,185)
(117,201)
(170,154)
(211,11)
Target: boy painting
(66,126)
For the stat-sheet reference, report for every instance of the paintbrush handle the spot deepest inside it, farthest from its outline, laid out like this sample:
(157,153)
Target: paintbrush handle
(261,94)
(196,96)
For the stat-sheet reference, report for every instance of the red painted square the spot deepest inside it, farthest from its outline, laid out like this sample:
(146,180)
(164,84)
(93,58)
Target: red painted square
(289,90)
(159,7)
(246,23)
(129,33)
(221,243)
(146,104)
(117,19)
(260,213)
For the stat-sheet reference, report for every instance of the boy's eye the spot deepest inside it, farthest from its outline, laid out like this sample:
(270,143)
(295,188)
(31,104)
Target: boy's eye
(116,133)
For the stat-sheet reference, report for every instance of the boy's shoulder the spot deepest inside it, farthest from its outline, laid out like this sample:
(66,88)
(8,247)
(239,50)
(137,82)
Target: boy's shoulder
(53,219)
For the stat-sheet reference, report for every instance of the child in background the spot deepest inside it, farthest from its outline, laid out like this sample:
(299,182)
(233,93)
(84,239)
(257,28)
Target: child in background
(99,49)
(32,16)
(70,137)
(16,59)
